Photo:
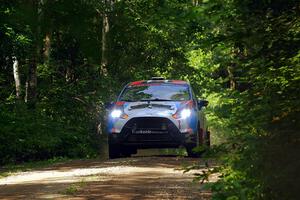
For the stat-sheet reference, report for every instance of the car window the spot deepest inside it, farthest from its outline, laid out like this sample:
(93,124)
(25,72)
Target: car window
(156,92)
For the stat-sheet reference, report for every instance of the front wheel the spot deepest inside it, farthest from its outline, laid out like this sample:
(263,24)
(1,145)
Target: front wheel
(113,151)
(127,151)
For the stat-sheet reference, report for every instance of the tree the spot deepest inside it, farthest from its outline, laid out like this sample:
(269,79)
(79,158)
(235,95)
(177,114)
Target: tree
(17,77)
(72,56)
(252,51)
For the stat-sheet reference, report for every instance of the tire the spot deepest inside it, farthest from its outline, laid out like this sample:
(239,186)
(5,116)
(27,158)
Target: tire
(191,153)
(126,155)
(207,140)
(134,150)
(113,151)
(200,136)
(128,151)
(125,151)
(200,141)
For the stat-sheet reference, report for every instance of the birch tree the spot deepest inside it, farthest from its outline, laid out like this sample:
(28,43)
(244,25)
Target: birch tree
(17,77)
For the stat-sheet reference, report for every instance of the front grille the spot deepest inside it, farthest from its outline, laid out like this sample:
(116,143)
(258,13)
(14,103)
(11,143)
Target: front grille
(149,129)
(148,138)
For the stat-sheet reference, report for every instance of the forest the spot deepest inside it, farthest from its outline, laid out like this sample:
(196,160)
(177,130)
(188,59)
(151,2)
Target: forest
(61,60)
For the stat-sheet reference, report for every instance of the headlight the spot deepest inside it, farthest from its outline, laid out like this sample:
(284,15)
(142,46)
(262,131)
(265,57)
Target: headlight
(116,113)
(185,113)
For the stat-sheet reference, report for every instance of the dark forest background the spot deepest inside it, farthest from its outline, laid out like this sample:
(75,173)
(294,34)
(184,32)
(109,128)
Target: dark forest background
(60,60)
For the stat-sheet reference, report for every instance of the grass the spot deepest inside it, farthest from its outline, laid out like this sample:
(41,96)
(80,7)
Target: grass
(181,152)
(74,188)
(71,190)
(7,170)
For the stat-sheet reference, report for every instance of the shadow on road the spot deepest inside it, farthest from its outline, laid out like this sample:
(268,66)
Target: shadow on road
(144,176)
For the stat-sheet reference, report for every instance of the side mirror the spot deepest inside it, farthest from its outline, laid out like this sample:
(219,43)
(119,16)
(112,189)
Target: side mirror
(108,105)
(202,103)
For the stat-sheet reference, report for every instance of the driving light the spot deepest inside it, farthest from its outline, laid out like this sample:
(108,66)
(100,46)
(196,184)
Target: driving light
(116,113)
(185,113)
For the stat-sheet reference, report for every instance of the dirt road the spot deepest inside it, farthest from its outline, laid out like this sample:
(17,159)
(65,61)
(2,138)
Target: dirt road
(138,177)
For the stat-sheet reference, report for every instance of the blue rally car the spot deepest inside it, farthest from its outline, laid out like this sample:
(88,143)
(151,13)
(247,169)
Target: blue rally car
(156,113)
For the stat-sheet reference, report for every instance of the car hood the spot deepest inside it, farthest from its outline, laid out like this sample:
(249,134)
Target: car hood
(151,108)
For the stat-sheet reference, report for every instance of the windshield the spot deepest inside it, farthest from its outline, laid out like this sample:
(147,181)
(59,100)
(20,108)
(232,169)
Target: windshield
(156,92)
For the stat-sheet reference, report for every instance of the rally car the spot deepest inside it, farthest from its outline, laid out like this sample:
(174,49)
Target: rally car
(156,113)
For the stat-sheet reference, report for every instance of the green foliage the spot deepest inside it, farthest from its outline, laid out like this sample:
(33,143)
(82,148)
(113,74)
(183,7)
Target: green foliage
(247,57)
(27,136)
(242,56)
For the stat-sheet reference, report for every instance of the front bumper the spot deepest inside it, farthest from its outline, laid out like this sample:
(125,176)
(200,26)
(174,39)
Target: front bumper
(152,132)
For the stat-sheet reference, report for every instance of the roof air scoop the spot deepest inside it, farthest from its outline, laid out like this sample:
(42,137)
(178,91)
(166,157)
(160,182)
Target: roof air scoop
(157,78)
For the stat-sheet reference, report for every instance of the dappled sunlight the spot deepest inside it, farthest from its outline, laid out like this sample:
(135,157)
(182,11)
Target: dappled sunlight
(145,177)
(72,175)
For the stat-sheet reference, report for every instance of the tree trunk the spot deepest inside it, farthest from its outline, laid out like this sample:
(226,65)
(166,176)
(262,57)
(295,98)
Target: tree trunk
(195,2)
(104,59)
(105,32)
(17,77)
(232,83)
(31,83)
(47,47)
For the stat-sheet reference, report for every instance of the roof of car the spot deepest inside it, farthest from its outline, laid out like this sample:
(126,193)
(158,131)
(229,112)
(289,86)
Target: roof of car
(143,82)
